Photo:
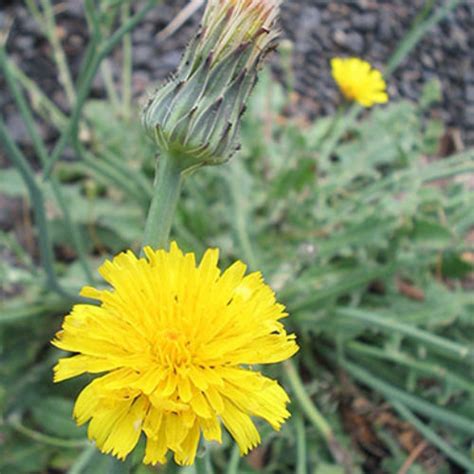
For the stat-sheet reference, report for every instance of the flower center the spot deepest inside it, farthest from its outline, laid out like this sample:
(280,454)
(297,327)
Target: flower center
(172,349)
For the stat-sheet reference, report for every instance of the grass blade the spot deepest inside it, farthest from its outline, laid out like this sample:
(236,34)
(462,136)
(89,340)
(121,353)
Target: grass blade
(416,33)
(380,322)
(393,393)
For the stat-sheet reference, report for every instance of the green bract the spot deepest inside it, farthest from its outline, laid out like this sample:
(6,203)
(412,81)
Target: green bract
(196,114)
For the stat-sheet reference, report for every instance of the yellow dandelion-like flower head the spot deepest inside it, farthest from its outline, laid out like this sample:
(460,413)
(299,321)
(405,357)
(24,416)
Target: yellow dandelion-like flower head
(358,81)
(177,342)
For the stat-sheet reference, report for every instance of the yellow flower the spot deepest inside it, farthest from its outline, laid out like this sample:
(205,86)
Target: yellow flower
(358,81)
(178,342)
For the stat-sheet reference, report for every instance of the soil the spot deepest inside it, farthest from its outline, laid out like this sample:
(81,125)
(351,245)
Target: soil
(318,30)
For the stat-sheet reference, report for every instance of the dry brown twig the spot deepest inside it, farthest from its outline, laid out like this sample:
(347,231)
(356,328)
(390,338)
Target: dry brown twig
(180,19)
(412,457)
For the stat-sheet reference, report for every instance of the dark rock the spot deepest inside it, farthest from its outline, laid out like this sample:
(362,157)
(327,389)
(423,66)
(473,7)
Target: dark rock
(470,93)
(75,9)
(469,116)
(385,26)
(17,129)
(427,60)
(24,42)
(143,55)
(141,35)
(98,85)
(365,21)
(10,209)
(167,63)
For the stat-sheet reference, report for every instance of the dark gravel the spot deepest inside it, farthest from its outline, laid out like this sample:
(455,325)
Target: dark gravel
(318,30)
(372,30)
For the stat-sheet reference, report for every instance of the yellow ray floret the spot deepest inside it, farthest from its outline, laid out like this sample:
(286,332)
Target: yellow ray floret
(358,81)
(175,341)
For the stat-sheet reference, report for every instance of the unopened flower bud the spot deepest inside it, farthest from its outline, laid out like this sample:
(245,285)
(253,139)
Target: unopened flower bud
(197,113)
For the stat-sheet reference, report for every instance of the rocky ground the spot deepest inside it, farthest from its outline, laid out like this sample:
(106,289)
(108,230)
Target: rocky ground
(318,29)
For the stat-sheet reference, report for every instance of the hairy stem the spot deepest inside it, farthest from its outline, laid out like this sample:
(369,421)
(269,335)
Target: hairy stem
(168,184)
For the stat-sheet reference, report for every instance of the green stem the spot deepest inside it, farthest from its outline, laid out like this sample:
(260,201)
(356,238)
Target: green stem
(126,65)
(34,11)
(116,37)
(37,202)
(306,404)
(412,362)
(343,120)
(201,464)
(112,175)
(416,33)
(93,23)
(8,240)
(433,438)
(240,205)
(300,444)
(16,424)
(40,307)
(51,30)
(116,466)
(446,346)
(106,71)
(163,206)
(338,452)
(142,189)
(128,172)
(208,466)
(42,153)
(70,131)
(40,103)
(233,465)
(83,460)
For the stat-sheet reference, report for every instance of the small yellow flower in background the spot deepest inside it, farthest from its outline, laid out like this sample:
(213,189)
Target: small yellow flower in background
(358,81)
(178,342)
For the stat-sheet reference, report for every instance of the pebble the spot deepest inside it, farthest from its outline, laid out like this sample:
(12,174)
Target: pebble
(365,22)
(470,93)
(17,129)
(351,42)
